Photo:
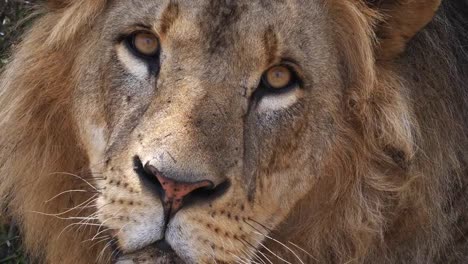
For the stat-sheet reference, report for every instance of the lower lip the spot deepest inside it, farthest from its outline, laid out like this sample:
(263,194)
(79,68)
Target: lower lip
(163,246)
(157,253)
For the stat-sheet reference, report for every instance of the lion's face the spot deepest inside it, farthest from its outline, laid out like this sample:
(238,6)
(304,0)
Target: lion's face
(230,101)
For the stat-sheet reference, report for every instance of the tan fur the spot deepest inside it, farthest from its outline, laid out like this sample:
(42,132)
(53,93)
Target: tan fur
(364,171)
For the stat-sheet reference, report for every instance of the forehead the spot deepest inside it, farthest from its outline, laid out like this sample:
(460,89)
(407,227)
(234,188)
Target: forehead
(235,36)
(216,20)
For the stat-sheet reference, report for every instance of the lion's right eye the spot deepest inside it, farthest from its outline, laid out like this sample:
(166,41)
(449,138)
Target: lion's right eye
(278,77)
(144,44)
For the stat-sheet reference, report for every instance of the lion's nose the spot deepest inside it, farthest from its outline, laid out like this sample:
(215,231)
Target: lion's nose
(174,192)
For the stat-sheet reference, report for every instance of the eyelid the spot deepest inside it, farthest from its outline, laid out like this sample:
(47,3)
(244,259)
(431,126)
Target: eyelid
(131,30)
(293,65)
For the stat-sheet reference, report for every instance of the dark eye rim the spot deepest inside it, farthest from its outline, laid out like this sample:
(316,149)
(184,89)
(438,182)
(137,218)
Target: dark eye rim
(294,83)
(129,42)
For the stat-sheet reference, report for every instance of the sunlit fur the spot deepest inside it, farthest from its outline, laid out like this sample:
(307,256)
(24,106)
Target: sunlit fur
(393,190)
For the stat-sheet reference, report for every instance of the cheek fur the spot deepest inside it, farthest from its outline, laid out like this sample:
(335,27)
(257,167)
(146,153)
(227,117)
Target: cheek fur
(133,65)
(95,141)
(276,102)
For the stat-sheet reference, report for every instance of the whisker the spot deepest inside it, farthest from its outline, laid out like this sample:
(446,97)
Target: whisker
(264,256)
(224,248)
(276,255)
(289,249)
(116,233)
(115,253)
(247,254)
(99,232)
(65,192)
(114,216)
(261,244)
(260,224)
(303,250)
(257,251)
(239,259)
(279,242)
(100,241)
(247,245)
(87,203)
(67,211)
(101,255)
(93,214)
(93,217)
(213,256)
(59,217)
(76,176)
(110,237)
(76,224)
(97,238)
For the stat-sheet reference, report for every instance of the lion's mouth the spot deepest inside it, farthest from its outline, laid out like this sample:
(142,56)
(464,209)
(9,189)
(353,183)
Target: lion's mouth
(159,252)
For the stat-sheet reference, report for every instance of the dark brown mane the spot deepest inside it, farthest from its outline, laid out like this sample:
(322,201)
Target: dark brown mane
(398,186)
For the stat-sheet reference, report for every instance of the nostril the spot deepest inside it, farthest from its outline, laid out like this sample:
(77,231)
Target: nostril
(178,190)
(146,176)
(206,195)
(211,193)
(175,194)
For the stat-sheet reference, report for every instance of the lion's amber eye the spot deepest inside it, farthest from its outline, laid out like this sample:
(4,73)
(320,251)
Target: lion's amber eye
(145,43)
(278,77)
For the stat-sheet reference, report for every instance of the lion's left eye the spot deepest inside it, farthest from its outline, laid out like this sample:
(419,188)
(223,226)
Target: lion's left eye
(144,44)
(279,77)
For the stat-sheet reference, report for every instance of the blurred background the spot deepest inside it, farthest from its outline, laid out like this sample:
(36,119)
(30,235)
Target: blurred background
(14,18)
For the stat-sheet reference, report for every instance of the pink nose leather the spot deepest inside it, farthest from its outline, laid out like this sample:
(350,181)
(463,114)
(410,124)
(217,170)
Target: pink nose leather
(175,192)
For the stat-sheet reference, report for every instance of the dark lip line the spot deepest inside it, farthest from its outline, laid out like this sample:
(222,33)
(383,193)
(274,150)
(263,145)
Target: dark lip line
(158,254)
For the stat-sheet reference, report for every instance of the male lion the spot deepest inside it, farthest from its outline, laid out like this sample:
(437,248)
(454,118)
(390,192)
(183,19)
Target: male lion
(248,131)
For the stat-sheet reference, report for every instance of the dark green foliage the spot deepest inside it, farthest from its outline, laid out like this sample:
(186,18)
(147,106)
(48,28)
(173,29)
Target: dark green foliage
(12,23)
(10,249)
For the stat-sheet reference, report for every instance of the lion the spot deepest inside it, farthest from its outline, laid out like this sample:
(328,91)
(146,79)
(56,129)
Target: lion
(247,131)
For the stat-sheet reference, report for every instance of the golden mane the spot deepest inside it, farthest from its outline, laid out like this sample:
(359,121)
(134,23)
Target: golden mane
(39,149)
(402,149)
